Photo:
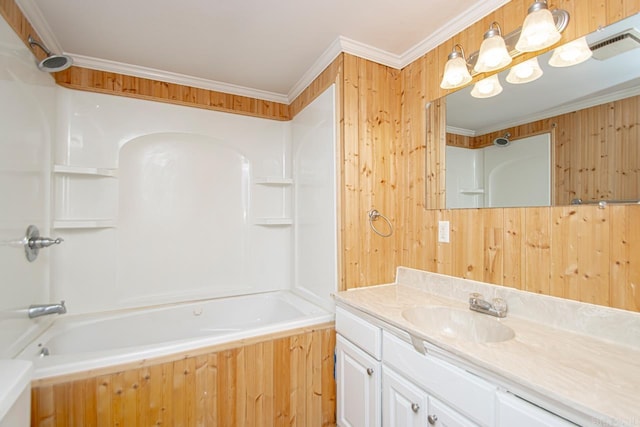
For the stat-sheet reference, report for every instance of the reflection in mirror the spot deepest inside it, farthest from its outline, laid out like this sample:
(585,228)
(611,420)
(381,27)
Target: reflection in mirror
(588,114)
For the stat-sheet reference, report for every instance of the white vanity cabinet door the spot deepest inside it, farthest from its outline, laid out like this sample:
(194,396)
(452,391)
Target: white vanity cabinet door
(440,415)
(403,404)
(358,379)
(513,411)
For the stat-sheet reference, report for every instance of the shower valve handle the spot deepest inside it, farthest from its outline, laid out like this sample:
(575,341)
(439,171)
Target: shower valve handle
(44,242)
(33,242)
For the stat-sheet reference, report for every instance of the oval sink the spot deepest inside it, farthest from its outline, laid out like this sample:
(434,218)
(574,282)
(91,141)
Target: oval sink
(458,324)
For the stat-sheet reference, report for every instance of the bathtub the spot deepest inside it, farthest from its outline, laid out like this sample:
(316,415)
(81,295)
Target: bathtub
(92,342)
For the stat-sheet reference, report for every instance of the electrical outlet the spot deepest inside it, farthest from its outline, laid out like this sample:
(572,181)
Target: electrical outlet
(443,231)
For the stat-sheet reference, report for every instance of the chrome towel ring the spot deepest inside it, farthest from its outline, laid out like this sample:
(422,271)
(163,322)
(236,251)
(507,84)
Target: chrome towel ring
(373,216)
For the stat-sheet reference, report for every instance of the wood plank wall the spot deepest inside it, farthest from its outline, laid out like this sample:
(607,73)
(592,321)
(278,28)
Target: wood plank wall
(595,150)
(154,90)
(582,253)
(371,176)
(282,382)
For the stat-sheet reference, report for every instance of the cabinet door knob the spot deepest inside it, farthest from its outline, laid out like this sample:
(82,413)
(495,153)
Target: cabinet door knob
(415,407)
(432,419)
(369,371)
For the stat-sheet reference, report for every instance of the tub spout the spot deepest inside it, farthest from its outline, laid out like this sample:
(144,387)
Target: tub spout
(38,310)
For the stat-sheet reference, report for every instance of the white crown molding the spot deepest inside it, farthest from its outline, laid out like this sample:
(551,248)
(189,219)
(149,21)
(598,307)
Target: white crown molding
(33,14)
(371,53)
(169,77)
(341,44)
(450,29)
(318,67)
(564,109)
(460,131)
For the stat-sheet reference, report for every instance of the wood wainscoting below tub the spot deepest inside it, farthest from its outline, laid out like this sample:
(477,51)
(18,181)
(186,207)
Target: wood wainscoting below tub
(282,381)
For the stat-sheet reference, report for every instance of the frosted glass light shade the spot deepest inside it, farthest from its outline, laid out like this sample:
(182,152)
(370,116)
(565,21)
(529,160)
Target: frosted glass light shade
(572,53)
(456,73)
(493,54)
(487,88)
(525,72)
(539,30)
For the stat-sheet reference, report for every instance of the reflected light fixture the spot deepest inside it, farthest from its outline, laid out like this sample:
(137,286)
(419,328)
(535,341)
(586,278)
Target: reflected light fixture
(572,53)
(525,72)
(539,30)
(456,71)
(487,88)
(493,51)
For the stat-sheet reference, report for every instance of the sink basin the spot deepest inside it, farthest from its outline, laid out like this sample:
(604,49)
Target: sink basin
(458,324)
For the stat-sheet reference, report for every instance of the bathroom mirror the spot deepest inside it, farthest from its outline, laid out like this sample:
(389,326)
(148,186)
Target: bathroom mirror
(590,112)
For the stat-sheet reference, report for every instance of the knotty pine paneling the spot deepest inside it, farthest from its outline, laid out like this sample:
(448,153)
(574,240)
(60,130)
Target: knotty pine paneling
(286,381)
(370,135)
(154,90)
(577,252)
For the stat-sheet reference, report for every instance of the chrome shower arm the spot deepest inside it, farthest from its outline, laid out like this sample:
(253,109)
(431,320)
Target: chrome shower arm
(33,41)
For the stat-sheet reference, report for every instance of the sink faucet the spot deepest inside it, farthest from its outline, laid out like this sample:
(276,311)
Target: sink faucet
(497,307)
(38,310)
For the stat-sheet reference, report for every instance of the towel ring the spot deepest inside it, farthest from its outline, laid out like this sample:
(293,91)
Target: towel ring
(374,215)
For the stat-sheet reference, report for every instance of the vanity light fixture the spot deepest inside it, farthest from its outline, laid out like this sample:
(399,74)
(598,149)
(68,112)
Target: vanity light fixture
(493,51)
(525,72)
(456,71)
(539,30)
(572,53)
(487,88)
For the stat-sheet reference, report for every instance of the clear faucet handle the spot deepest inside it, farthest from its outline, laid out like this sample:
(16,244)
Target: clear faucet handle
(499,305)
(474,296)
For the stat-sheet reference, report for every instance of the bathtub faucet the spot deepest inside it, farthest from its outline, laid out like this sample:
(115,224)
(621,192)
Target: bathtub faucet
(38,310)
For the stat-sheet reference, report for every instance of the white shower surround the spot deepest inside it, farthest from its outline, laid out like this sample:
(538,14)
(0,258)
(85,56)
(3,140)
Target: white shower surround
(204,203)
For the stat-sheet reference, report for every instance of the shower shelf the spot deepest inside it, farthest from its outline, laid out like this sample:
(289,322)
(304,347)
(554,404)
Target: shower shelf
(273,221)
(273,181)
(84,223)
(76,170)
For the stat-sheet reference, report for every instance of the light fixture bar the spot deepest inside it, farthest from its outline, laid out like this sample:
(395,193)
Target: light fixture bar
(560,17)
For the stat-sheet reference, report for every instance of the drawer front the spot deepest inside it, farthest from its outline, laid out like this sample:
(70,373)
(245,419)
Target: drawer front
(360,332)
(514,411)
(464,392)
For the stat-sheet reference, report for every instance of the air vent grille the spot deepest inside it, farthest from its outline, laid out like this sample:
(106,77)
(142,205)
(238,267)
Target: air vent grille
(616,45)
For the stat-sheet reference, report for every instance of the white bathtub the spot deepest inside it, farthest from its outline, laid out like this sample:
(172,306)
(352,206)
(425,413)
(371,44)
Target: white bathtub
(84,342)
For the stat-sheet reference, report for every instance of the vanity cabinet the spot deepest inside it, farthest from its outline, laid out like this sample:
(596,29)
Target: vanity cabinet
(383,380)
(405,405)
(515,411)
(455,397)
(359,381)
(358,371)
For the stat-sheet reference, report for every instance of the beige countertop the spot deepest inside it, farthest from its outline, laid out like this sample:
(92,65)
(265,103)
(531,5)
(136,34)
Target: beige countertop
(572,364)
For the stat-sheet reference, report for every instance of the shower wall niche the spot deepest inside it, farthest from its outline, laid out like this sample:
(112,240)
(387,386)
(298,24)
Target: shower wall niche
(161,203)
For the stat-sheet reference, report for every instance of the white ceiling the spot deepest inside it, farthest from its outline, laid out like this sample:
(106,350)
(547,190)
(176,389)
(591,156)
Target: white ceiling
(266,49)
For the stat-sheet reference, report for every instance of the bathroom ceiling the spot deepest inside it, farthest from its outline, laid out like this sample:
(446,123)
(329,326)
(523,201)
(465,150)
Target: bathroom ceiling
(267,49)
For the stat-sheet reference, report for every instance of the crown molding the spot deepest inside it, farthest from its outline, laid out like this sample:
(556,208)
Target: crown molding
(314,71)
(33,14)
(370,53)
(340,45)
(169,77)
(460,131)
(450,29)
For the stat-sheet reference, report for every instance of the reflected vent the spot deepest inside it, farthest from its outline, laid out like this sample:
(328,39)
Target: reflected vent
(615,45)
